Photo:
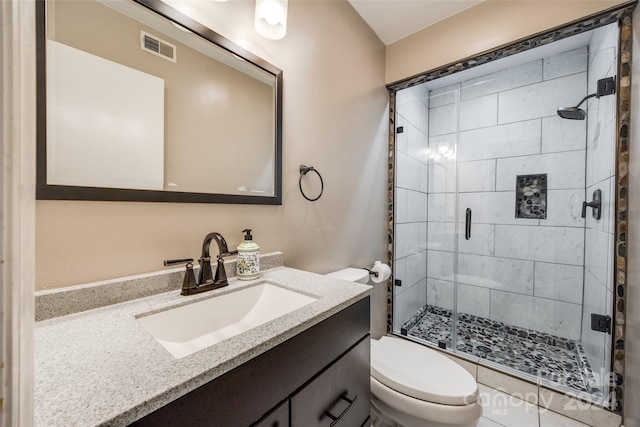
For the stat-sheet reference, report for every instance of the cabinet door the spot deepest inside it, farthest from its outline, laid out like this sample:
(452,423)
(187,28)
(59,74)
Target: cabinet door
(279,417)
(339,396)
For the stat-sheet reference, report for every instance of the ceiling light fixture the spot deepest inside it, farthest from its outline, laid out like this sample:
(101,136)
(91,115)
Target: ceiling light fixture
(271,18)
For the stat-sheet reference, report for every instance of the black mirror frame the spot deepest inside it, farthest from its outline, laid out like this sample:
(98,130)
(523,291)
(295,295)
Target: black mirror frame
(45,191)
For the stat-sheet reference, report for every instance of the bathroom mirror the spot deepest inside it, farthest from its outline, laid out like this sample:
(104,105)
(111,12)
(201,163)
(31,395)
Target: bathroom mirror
(138,102)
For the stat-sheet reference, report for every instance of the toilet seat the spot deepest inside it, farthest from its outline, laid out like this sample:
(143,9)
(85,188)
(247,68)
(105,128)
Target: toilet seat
(421,373)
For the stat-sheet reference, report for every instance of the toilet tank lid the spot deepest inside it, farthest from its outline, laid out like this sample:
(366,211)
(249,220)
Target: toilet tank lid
(422,373)
(351,274)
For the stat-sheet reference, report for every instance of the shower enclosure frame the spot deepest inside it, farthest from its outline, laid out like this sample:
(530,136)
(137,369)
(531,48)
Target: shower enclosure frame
(622,15)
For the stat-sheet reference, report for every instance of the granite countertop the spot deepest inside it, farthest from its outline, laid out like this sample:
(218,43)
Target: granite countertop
(100,367)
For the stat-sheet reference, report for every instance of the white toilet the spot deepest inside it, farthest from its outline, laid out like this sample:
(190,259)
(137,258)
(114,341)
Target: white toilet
(415,386)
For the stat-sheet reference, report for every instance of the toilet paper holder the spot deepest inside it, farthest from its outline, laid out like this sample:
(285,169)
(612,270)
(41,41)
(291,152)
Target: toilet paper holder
(379,272)
(375,273)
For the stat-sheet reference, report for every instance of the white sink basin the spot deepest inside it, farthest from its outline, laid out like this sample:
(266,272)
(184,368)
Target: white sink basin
(186,329)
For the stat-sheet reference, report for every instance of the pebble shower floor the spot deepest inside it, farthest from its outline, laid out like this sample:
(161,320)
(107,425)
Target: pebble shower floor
(553,358)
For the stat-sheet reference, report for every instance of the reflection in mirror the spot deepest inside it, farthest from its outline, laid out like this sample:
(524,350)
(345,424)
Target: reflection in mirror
(142,107)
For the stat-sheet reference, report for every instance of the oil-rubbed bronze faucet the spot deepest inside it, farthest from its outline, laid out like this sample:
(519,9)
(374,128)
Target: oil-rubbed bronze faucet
(207,281)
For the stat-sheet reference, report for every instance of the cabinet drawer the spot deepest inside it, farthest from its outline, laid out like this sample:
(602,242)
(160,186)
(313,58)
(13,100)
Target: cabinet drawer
(339,396)
(279,417)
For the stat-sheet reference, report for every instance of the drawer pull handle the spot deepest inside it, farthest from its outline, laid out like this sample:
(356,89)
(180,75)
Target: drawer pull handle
(347,409)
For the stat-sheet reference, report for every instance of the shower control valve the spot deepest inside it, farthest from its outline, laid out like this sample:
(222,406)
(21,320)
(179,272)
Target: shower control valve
(595,204)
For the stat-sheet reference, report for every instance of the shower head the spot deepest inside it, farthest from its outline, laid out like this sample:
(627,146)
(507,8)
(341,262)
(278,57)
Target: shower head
(606,86)
(575,113)
(572,113)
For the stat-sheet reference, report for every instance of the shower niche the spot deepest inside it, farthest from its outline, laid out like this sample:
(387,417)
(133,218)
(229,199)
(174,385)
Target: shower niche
(495,258)
(531,196)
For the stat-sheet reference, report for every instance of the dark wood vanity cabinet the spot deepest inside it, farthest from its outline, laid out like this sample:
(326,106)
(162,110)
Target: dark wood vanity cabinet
(279,417)
(339,396)
(319,377)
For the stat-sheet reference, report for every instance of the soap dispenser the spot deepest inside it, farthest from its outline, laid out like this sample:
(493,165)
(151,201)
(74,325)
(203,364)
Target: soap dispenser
(248,261)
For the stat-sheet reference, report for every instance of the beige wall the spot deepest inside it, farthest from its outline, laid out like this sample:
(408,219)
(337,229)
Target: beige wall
(483,27)
(335,118)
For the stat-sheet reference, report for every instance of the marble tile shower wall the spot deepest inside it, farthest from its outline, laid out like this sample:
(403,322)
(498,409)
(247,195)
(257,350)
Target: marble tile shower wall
(599,237)
(524,272)
(410,264)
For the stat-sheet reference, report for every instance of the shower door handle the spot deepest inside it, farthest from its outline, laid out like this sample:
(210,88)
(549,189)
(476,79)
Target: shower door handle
(467,225)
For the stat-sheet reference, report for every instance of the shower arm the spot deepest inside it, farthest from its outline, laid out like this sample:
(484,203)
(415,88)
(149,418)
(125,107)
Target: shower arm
(585,98)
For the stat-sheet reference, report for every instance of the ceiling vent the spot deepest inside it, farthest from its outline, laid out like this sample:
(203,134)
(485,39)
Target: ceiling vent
(158,47)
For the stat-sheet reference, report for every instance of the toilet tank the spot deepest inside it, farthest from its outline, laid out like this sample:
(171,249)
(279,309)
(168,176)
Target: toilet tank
(359,275)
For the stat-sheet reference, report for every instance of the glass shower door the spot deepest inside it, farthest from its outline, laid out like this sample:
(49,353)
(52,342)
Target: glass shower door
(493,255)
(425,214)
(521,251)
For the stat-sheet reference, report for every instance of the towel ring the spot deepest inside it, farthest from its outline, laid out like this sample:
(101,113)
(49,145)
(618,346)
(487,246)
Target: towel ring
(303,171)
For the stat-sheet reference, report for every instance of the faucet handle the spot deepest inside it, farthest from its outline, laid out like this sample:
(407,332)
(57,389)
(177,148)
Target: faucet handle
(170,262)
(221,275)
(228,253)
(189,282)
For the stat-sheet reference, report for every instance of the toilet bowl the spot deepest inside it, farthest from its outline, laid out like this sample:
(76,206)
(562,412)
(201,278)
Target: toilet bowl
(415,386)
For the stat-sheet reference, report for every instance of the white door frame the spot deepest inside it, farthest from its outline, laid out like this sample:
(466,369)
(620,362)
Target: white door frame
(17,235)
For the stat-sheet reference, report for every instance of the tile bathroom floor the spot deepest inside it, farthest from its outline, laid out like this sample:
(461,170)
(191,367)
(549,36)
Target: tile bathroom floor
(503,410)
(546,356)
